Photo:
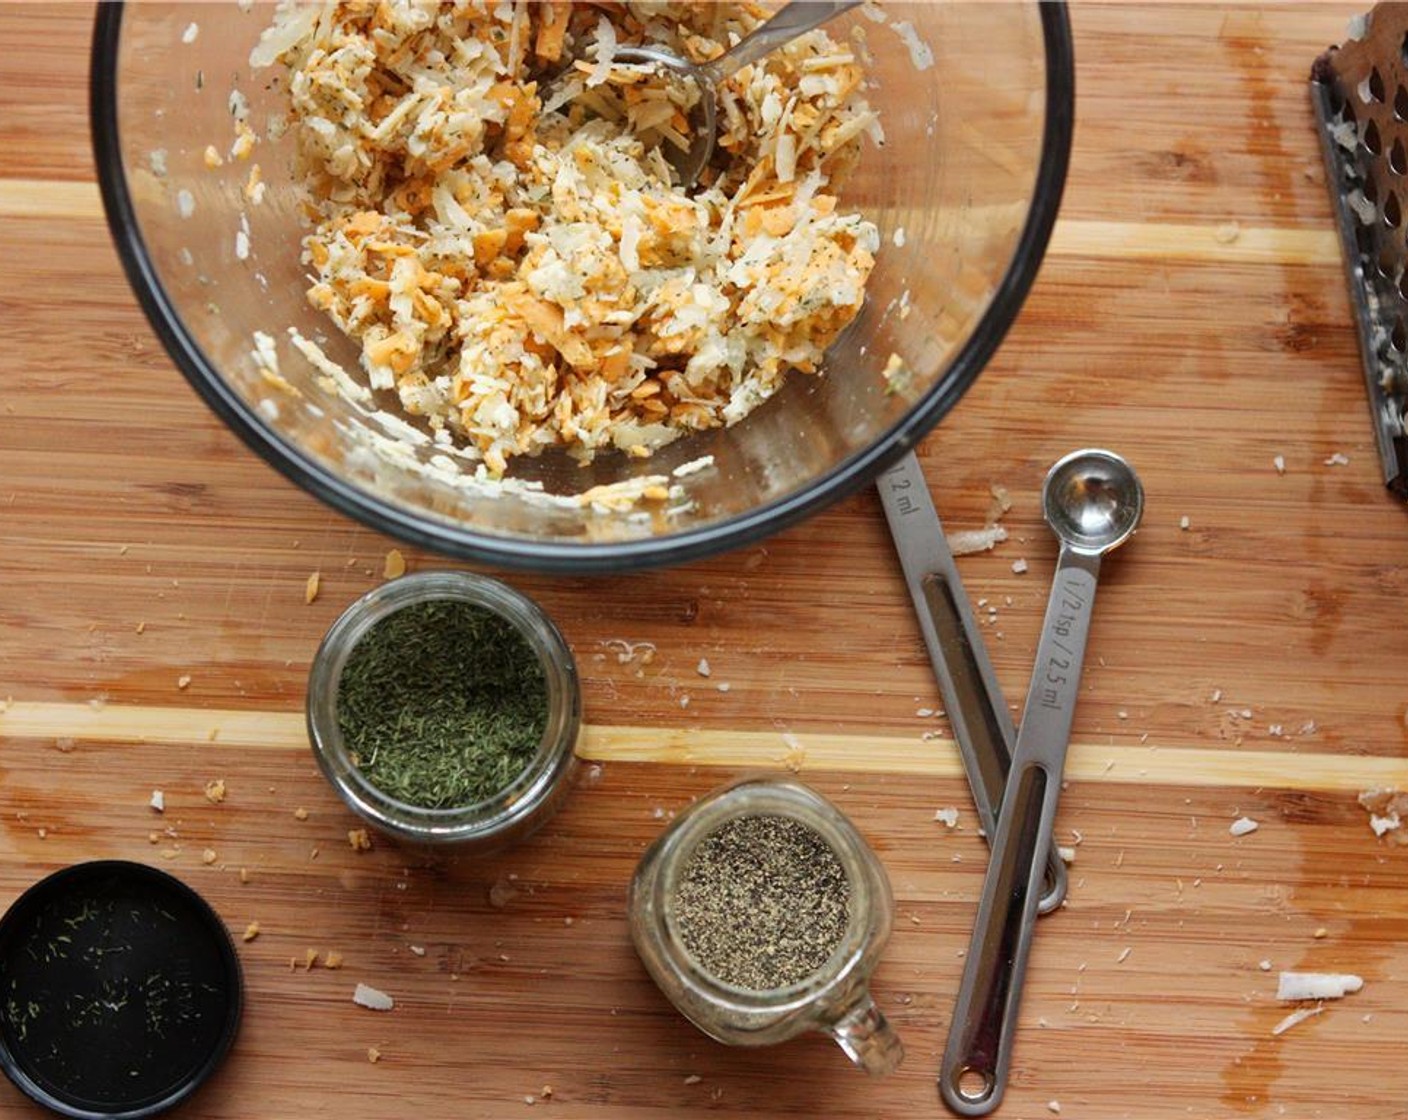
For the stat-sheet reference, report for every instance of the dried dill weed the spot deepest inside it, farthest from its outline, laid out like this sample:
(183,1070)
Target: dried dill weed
(762,902)
(442,704)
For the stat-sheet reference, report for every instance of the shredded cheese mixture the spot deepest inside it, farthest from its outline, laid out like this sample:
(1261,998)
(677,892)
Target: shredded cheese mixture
(496,224)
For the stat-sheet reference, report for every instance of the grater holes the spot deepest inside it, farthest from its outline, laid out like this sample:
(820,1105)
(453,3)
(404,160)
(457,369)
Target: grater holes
(1393,213)
(1372,144)
(1398,337)
(1403,286)
(1371,89)
(1398,158)
(1388,263)
(1370,190)
(1400,104)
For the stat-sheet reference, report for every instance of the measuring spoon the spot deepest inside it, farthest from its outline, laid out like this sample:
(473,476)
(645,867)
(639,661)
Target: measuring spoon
(790,21)
(1093,501)
(982,725)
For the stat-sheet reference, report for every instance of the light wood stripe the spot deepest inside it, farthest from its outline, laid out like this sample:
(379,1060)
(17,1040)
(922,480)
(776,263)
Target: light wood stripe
(38,198)
(44,198)
(1223,243)
(938,758)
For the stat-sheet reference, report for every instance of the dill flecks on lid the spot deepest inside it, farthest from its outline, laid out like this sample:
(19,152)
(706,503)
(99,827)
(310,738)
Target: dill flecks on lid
(442,704)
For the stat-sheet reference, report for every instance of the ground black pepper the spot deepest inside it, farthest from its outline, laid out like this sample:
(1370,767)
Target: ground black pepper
(442,704)
(762,902)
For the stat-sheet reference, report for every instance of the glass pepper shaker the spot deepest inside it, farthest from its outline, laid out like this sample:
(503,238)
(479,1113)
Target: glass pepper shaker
(835,998)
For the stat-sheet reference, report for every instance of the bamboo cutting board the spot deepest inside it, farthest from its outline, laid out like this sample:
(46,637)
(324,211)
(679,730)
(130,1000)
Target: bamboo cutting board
(140,543)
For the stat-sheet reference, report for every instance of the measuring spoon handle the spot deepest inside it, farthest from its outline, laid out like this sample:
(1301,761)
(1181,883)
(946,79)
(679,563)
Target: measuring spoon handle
(977,712)
(791,20)
(979,1052)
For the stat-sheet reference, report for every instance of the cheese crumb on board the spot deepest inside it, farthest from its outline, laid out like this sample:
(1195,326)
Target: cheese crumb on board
(703,667)
(1317,985)
(208,856)
(215,791)
(332,959)
(158,801)
(966,542)
(183,681)
(1386,807)
(310,589)
(1019,567)
(1338,459)
(1300,1015)
(372,998)
(251,931)
(358,839)
(395,566)
(373,1055)
(300,813)
(1279,462)
(1242,826)
(947,816)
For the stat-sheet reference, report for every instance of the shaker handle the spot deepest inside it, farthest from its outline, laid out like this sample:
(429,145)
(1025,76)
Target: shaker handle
(867,1038)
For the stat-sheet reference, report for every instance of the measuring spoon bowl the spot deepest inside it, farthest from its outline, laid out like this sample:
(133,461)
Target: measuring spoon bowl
(1092,500)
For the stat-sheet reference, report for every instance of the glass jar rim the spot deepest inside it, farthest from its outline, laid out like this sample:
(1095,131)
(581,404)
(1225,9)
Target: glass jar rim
(529,787)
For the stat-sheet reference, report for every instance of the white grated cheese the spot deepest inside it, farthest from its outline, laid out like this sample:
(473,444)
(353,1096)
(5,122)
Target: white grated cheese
(1242,826)
(965,542)
(1317,985)
(920,53)
(372,998)
(605,52)
(948,817)
(1298,1016)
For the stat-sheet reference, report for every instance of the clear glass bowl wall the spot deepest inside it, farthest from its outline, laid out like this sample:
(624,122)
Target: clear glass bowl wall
(961,173)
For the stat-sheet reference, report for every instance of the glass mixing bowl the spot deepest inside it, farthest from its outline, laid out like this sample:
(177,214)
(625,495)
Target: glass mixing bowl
(964,191)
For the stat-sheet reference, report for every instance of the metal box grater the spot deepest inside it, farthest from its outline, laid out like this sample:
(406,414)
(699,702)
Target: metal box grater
(1360,94)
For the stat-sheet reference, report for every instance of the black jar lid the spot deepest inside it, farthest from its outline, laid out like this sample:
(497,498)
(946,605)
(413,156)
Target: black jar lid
(120,991)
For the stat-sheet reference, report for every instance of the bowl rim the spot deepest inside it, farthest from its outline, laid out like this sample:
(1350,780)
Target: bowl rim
(572,557)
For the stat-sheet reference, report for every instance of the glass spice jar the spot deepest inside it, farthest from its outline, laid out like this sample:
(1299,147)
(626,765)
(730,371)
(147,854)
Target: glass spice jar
(531,797)
(835,999)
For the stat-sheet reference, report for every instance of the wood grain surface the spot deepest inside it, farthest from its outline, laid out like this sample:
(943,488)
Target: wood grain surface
(141,543)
